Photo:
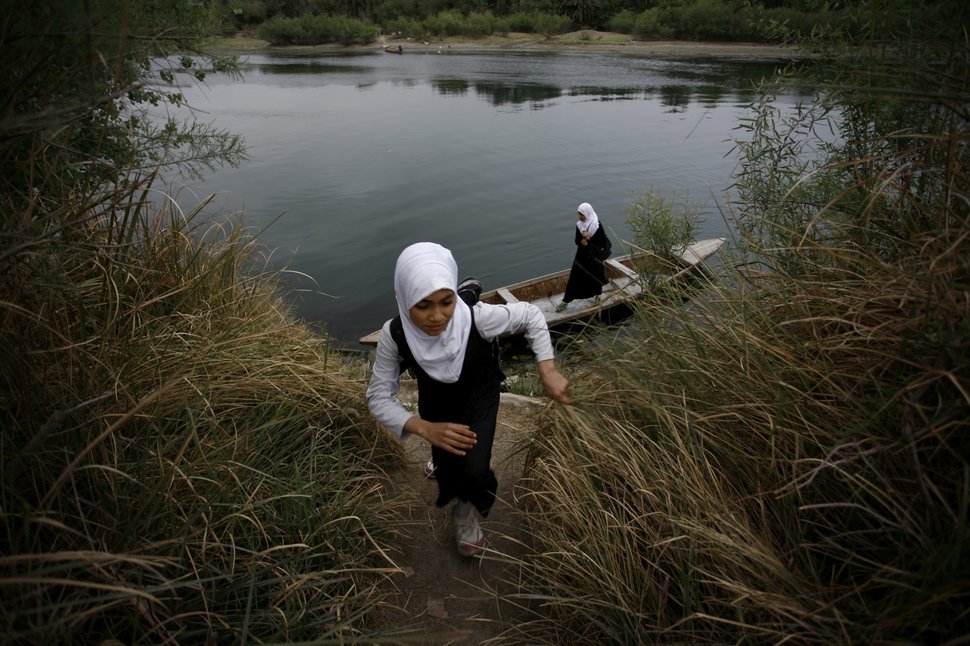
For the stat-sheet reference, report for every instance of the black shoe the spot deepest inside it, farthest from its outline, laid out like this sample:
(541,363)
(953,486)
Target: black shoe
(469,290)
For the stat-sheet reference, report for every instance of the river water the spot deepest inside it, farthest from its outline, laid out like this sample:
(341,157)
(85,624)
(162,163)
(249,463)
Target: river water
(355,156)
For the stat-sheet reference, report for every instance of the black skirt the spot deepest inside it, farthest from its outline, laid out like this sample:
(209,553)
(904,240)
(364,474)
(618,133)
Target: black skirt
(473,400)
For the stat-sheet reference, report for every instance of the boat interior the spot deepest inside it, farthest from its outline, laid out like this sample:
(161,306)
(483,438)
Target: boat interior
(547,292)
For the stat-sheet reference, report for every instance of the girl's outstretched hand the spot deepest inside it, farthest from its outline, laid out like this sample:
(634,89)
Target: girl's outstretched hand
(555,384)
(454,438)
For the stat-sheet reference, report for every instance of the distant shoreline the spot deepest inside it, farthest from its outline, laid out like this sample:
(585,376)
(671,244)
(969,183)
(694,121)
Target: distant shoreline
(574,41)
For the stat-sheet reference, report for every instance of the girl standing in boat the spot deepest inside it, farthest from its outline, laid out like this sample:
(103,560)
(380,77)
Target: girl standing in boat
(449,347)
(587,275)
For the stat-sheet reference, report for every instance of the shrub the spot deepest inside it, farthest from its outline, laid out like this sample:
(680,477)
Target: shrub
(479,24)
(309,29)
(445,23)
(501,26)
(713,20)
(658,229)
(280,31)
(523,22)
(649,25)
(352,30)
(406,27)
(624,22)
(550,25)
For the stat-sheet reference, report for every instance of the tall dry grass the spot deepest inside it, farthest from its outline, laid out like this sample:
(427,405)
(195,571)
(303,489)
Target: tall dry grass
(182,462)
(787,462)
(785,459)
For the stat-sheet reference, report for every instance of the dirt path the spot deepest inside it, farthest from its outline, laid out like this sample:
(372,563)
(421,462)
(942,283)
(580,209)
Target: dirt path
(446,598)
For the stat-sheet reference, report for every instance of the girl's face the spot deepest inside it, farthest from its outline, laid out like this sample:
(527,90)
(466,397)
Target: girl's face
(582,216)
(432,313)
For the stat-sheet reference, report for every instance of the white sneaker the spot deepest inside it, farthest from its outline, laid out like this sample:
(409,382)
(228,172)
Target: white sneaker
(469,537)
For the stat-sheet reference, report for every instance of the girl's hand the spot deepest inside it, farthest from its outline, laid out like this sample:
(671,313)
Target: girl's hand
(454,438)
(555,384)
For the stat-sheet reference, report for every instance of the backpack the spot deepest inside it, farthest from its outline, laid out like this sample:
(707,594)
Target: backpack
(603,252)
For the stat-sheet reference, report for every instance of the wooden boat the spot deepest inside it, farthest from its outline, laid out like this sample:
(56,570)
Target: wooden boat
(623,285)
(393,50)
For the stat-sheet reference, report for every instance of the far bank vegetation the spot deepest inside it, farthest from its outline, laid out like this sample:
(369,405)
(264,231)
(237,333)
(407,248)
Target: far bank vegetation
(289,22)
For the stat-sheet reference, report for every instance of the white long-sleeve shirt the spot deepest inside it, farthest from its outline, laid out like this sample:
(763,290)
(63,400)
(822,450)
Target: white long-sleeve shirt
(490,321)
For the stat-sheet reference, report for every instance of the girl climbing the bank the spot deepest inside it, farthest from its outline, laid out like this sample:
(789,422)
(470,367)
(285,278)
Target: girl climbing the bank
(449,347)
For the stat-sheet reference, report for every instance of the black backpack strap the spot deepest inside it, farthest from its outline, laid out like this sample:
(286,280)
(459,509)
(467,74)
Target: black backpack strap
(403,349)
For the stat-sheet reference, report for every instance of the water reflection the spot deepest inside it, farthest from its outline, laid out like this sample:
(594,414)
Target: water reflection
(711,95)
(676,97)
(308,67)
(454,87)
(500,93)
(609,93)
(503,93)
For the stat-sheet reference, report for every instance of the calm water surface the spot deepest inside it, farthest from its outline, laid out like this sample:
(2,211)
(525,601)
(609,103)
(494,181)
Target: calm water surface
(353,157)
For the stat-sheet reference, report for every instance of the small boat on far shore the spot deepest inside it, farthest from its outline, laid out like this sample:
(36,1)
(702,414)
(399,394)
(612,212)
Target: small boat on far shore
(393,50)
(623,285)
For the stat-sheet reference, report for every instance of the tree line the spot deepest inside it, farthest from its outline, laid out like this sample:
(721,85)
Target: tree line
(304,21)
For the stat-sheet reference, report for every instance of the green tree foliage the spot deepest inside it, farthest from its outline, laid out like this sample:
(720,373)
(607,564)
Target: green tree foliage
(881,101)
(683,19)
(309,29)
(79,79)
(659,227)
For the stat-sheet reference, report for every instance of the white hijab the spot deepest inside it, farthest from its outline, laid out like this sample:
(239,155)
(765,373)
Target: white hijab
(592,222)
(422,269)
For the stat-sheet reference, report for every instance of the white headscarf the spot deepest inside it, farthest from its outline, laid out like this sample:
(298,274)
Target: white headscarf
(422,269)
(592,222)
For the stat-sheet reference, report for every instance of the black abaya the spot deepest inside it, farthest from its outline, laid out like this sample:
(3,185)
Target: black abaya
(588,275)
